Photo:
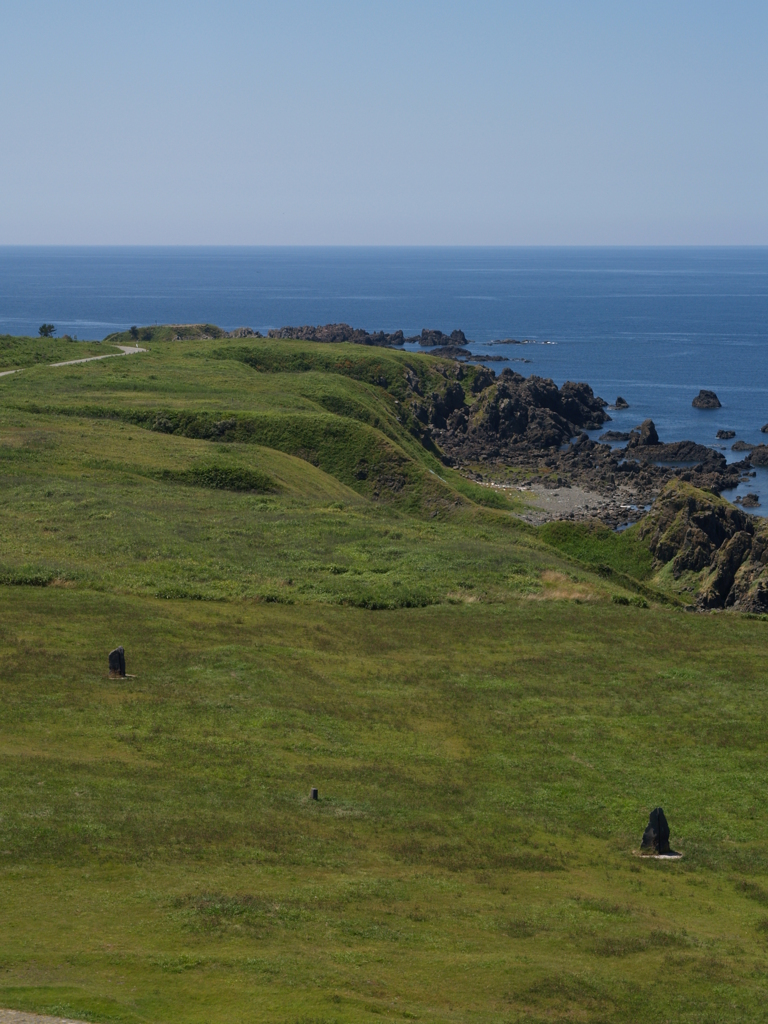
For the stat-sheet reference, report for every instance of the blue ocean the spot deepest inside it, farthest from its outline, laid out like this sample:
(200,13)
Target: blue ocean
(653,325)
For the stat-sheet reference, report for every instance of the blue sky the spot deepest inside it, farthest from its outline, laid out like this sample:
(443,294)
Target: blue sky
(303,122)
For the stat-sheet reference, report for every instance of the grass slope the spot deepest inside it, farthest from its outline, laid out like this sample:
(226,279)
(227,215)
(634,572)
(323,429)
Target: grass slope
(487,749)
(484,777)
(596,545)
(106,471)
(350,428)
(21,352)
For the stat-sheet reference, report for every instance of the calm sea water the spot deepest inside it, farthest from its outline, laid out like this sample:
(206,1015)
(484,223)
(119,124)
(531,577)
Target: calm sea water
(651,325)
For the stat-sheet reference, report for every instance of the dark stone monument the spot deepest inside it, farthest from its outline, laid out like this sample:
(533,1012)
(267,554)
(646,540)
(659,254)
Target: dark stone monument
(117,663)
(656,835)
(314,795)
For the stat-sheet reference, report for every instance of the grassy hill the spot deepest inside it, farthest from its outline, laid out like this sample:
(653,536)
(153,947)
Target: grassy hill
(19,352)
(309,597)
(187,471)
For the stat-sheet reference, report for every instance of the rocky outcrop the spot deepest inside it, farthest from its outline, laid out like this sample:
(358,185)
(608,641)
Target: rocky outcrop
(681,452)
(688,527)
(482,380)
(706,400)
(444,405)
(620,403)
(725,435)
(727,563)
(511,420)
(531,411)
(431,339)
(758,455)
(334,333)
(700,533)
(643,435)
(245,332)
(451,352)
(749,501)
(654,463)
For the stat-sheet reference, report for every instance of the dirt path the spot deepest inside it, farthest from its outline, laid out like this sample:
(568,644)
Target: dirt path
(16,1017)
(127,350)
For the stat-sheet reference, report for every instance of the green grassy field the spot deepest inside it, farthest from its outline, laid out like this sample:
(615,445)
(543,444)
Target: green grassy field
(486,719)
(22,352)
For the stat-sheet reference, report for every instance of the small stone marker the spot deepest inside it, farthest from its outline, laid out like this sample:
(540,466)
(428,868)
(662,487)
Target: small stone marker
(313,795)
(656,835)
(117,663)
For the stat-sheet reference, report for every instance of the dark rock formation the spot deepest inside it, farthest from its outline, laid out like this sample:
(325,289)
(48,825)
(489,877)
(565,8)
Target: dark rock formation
(643,435)
(413,382)
(727,563)
(656,835)
(527,423)
(706,400)
(684,451)
(742,446)
(701,533)
(333,333)
(483,379)
(615,435)
(764,429)
(620,403)
(452,352)
(690,528)
(532,411)
(725,435)
(117,663)
(451,401)
(749,501)
(758,455)
(430,338)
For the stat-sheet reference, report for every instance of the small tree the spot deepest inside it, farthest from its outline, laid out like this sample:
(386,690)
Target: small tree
(47,330)
(135,333)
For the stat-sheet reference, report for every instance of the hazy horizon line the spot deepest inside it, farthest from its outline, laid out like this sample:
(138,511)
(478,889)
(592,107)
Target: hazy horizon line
(380,245)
